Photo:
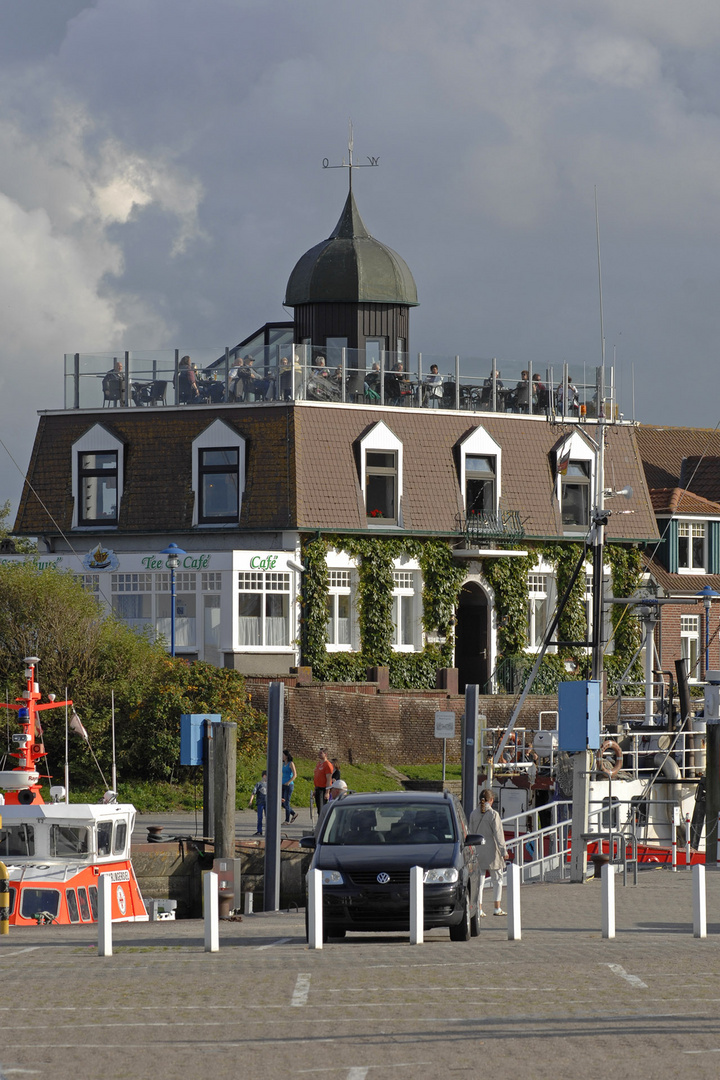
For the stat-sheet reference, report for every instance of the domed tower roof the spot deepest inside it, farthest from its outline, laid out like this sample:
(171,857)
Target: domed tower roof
(351,267)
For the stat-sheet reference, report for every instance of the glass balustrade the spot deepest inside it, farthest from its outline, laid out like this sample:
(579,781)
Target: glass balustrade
(331,374)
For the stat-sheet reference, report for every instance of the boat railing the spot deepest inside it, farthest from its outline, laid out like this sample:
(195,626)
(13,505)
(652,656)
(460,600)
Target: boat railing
(539,841)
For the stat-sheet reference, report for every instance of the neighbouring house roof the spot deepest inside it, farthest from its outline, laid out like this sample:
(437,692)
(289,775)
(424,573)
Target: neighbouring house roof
(679,584)
(302,468)
(681,501)
(681,458)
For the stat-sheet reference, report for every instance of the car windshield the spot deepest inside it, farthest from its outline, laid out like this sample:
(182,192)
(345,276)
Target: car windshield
(390,823)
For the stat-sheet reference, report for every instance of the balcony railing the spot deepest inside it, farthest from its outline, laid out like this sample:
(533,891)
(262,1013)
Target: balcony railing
(283,372)
(487,525)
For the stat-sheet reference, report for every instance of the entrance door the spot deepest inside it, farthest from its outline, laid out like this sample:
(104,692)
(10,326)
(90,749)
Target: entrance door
(471,637)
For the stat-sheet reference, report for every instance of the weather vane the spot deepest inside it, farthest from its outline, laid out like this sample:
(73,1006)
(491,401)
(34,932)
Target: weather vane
(372,161)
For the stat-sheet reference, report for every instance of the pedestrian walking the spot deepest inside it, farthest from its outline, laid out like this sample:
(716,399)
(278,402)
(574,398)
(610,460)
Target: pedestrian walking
(493,854)
(259,796)
(322,779)
(289,772)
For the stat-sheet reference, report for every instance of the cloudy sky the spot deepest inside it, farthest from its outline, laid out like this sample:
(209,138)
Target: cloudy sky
(160,174)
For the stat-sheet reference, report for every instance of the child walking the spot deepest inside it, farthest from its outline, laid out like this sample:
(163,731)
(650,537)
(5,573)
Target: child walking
(259,793)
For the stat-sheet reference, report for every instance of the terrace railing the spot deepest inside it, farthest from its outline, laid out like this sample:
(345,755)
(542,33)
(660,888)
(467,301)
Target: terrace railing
(330,375)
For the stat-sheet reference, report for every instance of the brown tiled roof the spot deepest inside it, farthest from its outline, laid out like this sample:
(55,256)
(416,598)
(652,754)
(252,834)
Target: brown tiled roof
(680,584)
(702,475)
(302,468)
(663,450)
(157,493)
(680,501)
(329,486)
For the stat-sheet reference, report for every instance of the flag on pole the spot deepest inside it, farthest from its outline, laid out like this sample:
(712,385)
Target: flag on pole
(77,727)
(563,463)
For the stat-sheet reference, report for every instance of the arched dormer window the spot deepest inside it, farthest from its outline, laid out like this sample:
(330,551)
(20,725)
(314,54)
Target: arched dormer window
(97,479)
(218,475)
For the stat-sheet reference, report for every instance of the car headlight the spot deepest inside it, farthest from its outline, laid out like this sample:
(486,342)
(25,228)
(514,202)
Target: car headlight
(332,877)
(444,875)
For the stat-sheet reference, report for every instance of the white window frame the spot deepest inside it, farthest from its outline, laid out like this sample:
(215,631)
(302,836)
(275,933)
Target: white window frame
(690,642)
(341,584)
(262,582)
(381,439)
(97,440)
(693,528)
(577,449)
(543,592)
(480,444)
(218,436)
(406,590)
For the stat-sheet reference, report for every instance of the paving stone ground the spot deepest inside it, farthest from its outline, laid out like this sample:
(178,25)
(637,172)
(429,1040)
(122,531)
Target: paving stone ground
(560,1003)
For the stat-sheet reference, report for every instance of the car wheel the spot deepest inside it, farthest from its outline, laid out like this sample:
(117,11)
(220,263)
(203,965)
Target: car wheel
(462,931)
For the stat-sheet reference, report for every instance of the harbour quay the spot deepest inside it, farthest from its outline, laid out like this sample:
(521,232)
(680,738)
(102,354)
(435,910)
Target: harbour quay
(560,1002)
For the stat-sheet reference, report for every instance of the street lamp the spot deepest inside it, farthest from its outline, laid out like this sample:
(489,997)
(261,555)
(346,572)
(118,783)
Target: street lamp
(707,595)
(173,553)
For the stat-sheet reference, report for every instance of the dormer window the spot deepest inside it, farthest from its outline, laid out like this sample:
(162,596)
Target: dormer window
(98,483)
(692,547)
(219,485)
(218,475)
(480,461)
(575,495)
(575,480)
(480,473)
(381,476)
(97,479)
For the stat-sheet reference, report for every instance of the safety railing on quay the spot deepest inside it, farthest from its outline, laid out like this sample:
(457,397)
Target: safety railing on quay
(328,374)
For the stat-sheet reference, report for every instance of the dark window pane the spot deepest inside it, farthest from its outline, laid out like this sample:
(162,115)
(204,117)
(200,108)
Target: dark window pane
(575,504)
(228,456)
(381,497)
(484,466)
(33,901)
(104,837)
(479,495)
(120,838)
(84,909)
(379,460)
(72,905)
(92,890)
(220,496)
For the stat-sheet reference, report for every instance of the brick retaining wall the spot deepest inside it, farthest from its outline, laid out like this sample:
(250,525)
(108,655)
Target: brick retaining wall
(358,723)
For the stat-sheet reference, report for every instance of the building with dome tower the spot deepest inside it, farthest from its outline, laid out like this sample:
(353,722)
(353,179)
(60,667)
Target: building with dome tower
(340,502)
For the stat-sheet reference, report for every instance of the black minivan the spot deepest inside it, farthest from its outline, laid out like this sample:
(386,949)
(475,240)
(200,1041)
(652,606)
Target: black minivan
(365,846)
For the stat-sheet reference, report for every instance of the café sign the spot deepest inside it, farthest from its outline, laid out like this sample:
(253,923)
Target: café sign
(188,562)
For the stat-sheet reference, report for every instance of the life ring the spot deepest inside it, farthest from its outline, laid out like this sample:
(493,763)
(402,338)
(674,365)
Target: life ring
(610,768)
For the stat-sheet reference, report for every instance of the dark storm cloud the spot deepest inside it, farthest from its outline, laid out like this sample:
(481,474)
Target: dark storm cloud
(160,174)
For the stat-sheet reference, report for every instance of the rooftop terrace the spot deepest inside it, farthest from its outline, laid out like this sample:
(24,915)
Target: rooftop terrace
(286,371)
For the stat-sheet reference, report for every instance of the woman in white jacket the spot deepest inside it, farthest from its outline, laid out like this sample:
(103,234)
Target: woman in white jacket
(493,854)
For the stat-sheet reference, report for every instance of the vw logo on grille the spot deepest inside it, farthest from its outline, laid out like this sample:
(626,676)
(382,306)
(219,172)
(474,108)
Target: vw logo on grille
(383,878)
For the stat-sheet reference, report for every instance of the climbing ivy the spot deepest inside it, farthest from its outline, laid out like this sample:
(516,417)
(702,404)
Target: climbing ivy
(442,581)
(508,578)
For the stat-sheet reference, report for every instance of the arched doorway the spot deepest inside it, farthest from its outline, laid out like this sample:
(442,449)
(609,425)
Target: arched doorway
(471,637)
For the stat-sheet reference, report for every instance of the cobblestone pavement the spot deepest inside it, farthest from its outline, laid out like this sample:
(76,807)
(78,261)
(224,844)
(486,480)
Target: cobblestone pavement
(560,1003)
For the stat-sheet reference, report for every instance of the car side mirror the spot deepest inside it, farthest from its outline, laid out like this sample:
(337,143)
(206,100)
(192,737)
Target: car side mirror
(471,840)
(307,841)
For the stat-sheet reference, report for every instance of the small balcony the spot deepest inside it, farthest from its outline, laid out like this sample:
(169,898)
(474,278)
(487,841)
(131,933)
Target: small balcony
(487,526)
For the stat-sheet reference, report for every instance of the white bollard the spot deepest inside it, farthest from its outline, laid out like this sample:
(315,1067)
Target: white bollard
(687,841)
(699,901)
(212,914)
(608,900)
(105,915)
(673,845)
(315,912)
(417,905)
(514,925)
(249,903)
